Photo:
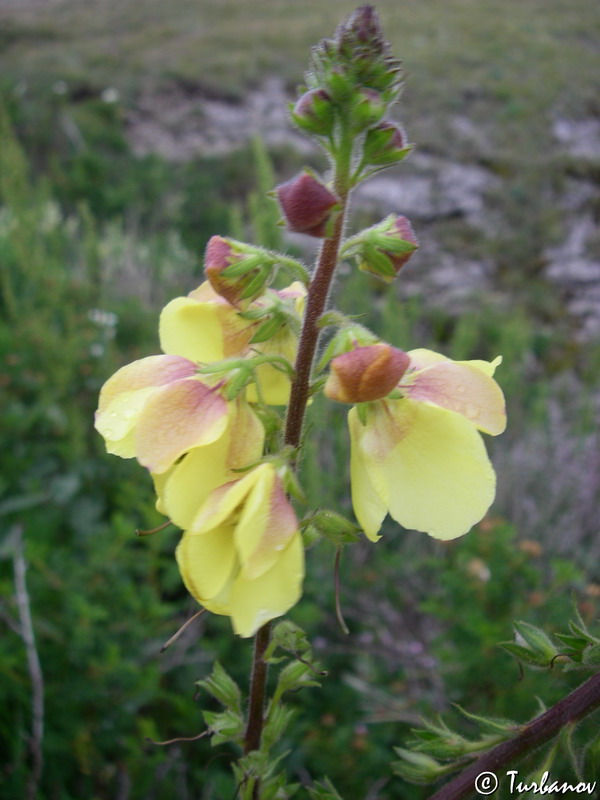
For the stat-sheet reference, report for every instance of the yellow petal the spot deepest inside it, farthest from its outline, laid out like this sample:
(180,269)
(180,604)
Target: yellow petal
(206,562)
(224,502)
(439,476)
(246,436)
(266,524)
(255,602)
(191,329)
(462,387)
(370,493)
(203,331)
(141,374)
(117,422)
(191,481)
(175,419)
(274,384)
(206,468)
(124,395)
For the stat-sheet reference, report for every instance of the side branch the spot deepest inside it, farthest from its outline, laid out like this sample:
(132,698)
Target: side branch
(578,704)
(33,664)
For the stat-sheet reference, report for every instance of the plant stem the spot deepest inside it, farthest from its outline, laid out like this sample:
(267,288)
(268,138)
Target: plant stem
(578,704)
(257,690)
(318,292)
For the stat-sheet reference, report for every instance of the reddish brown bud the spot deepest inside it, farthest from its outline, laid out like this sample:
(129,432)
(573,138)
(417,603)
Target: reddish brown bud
(366,373)
(402,229)
(251,273)
(313,112)
(307,205)
(385,248)
(385,144)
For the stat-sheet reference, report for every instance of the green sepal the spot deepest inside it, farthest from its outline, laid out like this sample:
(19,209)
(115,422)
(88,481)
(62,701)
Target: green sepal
(417,767)
(289,637)
(278,718)
(591,655)
(225,726)
(525,655)
(507,728)
(362,411)
(268,329)
(223,688)
(536,639)
(294,676)
(335,527)
(323,790)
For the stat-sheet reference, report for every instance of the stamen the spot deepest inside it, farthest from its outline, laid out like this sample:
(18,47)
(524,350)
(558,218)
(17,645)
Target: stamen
(166,524)
(178,739)
(338,608)
(181,630)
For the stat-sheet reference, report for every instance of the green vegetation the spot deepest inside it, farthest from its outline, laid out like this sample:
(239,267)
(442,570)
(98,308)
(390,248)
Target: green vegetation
(93,241)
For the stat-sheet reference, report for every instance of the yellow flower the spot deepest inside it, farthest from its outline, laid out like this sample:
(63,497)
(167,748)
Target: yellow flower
(156,409)
(205,328)
(421,457)
(183,489)
(242,555)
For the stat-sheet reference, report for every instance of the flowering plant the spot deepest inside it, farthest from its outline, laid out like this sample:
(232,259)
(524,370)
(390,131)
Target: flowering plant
(203,417)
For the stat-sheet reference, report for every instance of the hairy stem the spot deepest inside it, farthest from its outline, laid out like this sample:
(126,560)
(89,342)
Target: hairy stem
(578,704)
(318,292)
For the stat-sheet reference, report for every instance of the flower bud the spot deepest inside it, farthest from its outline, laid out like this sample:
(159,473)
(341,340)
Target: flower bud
(385,144)
(366,373)
(308,206)
(385,248)
(313,112)
(248,278)
(368,108)
(339,84)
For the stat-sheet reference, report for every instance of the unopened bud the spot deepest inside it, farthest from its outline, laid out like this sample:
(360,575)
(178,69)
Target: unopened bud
(366,373)
(233,273)
(385,144)
(386,247)
(313,112)
(367,110)
(339,84)
(308,206)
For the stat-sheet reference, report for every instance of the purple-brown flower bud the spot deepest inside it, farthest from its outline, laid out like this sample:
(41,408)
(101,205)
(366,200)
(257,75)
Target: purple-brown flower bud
(385,248)
(234,274)
(313,112)
(366,373)
(368,108)
(308,206)
(385,144)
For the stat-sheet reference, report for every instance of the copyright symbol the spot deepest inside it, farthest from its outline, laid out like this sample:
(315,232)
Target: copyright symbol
(486,783)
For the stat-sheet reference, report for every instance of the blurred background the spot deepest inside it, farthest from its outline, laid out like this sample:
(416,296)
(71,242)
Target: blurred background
(131,133)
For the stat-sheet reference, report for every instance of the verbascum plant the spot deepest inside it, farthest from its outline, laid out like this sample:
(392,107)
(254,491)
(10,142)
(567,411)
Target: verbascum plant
(205,417)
